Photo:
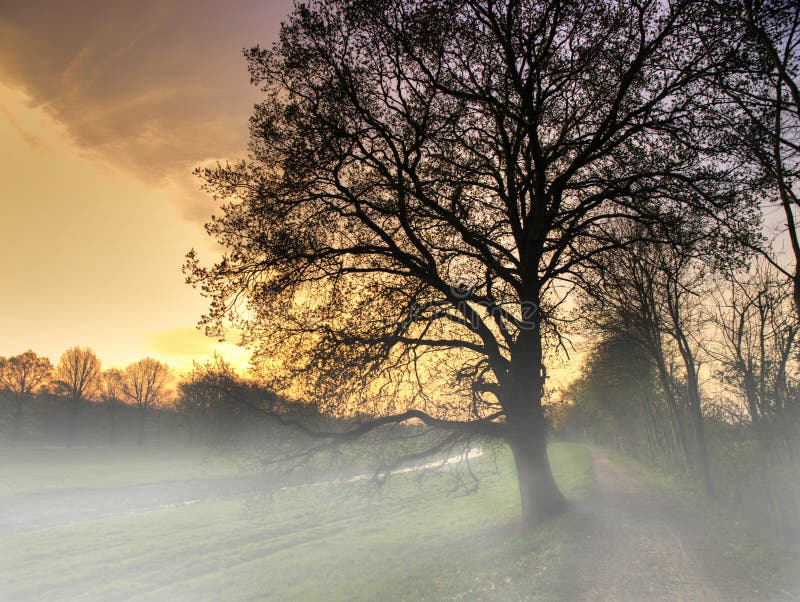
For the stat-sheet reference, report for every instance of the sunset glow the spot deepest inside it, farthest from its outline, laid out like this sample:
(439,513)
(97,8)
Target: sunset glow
(99,205)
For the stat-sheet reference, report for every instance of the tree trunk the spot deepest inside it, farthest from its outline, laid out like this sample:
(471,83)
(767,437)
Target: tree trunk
(539,494)
(141,427)
(796,286)
(17,422)
(762,436)
(679,431)
(524,389)
(74,409)
(702,448)
(696,410)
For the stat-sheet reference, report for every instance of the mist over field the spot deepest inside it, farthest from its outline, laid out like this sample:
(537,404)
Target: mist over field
(401,300)
(221,500)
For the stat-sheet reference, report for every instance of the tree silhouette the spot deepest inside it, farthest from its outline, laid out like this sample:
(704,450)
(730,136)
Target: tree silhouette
(426,178)
(214,392)
(652,292)
(144,384)
(77,377)
(763,87)
(22,376)
(112,395)
(616,388)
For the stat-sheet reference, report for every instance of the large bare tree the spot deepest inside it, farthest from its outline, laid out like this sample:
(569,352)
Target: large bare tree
(425,178)
(22,376)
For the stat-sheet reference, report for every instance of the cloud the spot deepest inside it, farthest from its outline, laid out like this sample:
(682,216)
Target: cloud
(180,347)
(153,86)
(35,142)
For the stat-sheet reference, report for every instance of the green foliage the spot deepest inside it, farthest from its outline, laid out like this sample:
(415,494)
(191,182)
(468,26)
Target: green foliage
(609,398)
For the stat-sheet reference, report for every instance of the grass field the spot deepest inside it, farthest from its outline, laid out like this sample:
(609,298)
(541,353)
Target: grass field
(412,540)
(36,470)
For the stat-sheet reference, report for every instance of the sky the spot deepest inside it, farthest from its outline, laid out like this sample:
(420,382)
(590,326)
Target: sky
(105,109)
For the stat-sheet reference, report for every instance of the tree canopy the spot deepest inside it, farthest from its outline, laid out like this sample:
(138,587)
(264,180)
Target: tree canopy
(425,180)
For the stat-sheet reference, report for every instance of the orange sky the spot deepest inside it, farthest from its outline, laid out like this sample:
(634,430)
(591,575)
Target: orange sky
(105,108)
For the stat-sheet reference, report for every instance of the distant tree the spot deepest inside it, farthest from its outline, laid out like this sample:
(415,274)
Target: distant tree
(682,279)
(756,342)
(214,394)
(112,396)
(424,181)
(204,393)
(77,378)
(618,385)
(144,384)
(653,293)
(755,350)
(191,408)
(22,376)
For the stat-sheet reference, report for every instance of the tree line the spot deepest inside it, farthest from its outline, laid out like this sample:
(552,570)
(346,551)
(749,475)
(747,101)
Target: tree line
(695,370)
(78,378)
(77,401)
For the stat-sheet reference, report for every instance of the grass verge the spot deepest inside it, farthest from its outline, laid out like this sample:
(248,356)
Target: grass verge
(762,560)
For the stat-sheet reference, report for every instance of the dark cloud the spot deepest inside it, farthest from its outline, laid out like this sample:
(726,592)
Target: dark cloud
(156,86)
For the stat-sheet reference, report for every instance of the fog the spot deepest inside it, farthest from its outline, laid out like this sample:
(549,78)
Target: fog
(243,521)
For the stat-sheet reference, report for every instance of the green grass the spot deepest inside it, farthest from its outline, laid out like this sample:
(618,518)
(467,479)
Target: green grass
(413,540)
(40,469)
(761,558)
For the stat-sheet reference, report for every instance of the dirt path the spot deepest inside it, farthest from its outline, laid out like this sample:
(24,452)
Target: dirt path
(640,547)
